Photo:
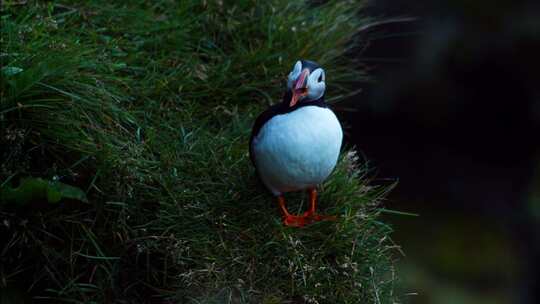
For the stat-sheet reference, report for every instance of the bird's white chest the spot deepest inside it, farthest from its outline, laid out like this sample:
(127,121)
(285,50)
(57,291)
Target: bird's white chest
(297,150)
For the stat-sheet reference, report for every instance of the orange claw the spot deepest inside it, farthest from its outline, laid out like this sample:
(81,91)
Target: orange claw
(311,215)
(317,217)
(294,221)
(289,219)
(308,217)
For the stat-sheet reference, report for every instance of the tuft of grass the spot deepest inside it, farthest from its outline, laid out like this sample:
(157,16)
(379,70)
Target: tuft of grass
(147,107)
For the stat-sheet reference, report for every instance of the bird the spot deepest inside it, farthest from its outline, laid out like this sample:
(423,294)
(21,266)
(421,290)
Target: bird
(295,144)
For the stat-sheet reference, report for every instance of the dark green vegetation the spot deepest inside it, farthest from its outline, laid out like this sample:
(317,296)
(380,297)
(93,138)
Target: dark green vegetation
(147,107)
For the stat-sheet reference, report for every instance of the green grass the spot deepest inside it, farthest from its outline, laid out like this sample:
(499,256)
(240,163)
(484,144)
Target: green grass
(147,107)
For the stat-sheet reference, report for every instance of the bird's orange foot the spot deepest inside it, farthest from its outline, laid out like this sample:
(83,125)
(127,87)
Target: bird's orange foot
(294,220)
(311,217)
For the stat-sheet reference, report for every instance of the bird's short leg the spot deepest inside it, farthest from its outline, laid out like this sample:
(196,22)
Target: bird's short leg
(312,202)
(289,219)
(311,214)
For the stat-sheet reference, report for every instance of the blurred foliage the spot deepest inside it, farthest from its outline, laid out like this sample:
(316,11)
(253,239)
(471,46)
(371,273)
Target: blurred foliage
(38,189)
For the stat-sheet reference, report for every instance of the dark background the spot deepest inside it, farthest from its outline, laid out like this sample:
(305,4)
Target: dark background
(453,113)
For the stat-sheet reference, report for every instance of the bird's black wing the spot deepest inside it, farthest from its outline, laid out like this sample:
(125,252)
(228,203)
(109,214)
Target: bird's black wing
(259,123)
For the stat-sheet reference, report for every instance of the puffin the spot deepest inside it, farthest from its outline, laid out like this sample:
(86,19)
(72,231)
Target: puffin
(295,144)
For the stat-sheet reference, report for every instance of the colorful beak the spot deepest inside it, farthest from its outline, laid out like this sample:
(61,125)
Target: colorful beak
(300,87)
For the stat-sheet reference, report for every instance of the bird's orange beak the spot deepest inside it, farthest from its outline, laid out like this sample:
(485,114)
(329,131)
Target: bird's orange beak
(299,88)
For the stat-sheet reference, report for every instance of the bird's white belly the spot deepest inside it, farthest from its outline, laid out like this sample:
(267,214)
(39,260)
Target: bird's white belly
(297,150)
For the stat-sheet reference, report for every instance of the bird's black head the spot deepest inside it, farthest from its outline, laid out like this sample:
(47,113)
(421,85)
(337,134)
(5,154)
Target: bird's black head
(306,82)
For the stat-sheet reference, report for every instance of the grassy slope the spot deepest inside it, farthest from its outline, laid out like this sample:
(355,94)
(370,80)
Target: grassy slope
(148,108)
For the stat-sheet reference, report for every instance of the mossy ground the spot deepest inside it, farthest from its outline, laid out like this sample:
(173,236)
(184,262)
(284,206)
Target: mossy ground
(147,106)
